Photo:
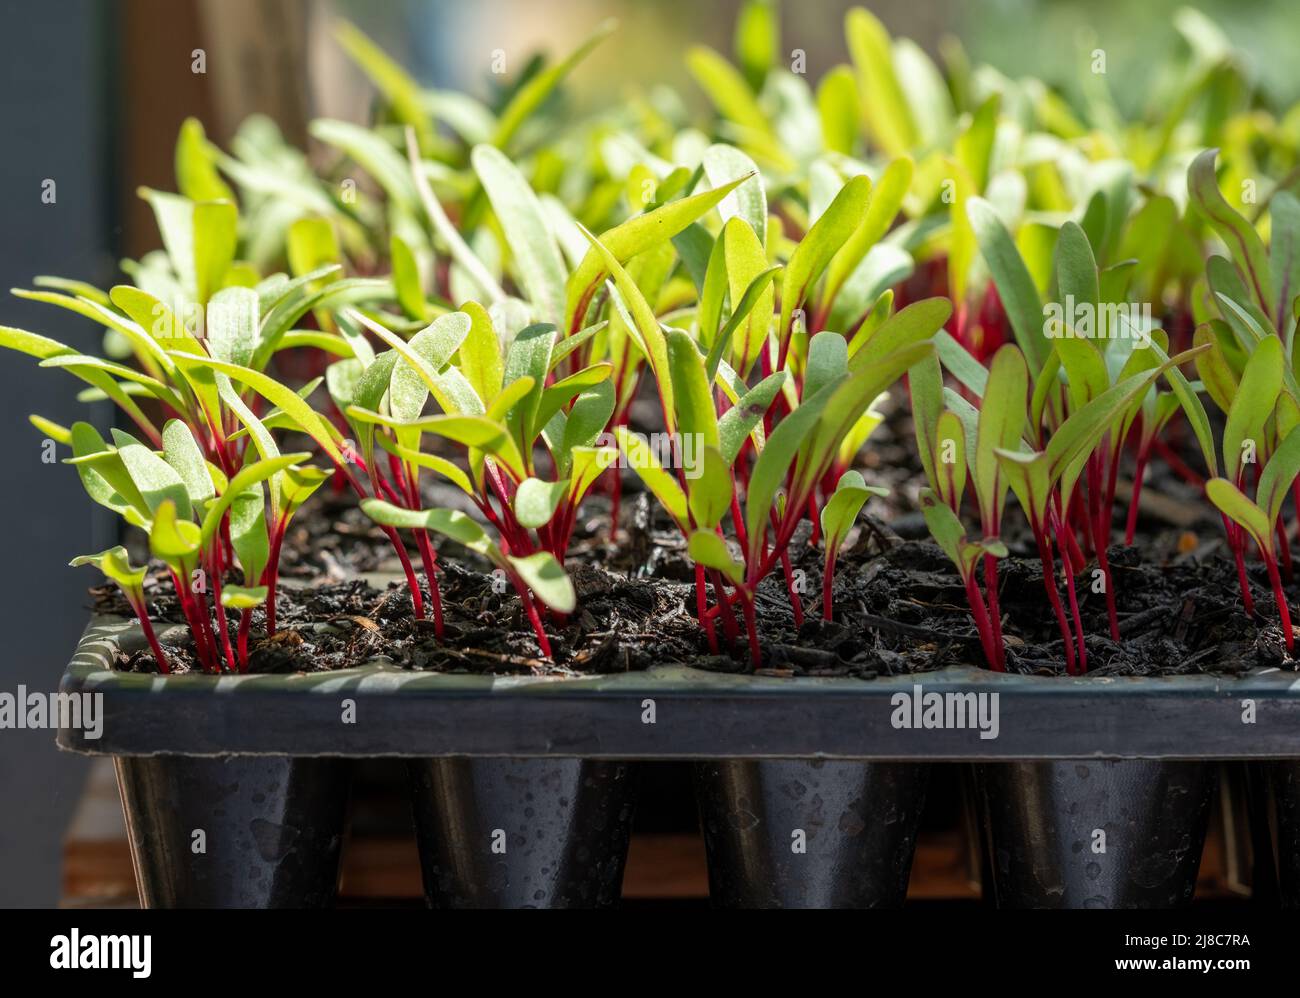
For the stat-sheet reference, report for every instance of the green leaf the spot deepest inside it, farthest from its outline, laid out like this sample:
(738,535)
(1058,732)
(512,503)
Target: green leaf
(298,484)
(174,541)
(589,416)
(691,394)
(1240,236)
(708,549)
(641,459)
(247,477)
(157,480)
(842,508)
(560,392)
(547,579)
(1233,504)
(948,533)
(529,97)
(541,270)
(888,115)
(529,356)
(726,88)
(749,279)
(406,280)
(232,325)
(758,38)
(403,94)
(746,415)
(839,109)
(1253,405)
(480,354)
(847,403)
(917,322)
(536,501)
(182,452)
(644,327)
(1284,253)
(588,464)
(116,565)
(243,597)
(1015,287)
(773,464)
(196,172)
(724,165)
(1001,423)
(248,532)
(216,225)
(373,154)
(817,248)
(709,487)
(828,359)
(277,394)
(1279,473)
(448,522)
(636,235)
(151,356)
(885,202)
(461,254)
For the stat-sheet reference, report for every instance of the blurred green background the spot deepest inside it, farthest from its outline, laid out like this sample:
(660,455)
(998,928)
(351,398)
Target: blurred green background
(449,42)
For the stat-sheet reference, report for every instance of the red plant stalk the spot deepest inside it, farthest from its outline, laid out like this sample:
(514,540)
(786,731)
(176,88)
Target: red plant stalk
(1177,464)
(530,608)
(1100,525)
(429,560)
(270,575)
(142,612)
(999,660)
(1238,554)
(992,648)
(730,626)
(245,621)
(828,580)
(1283,611)
(795,603)
(1139,472)
(222,624)
(192,617)
(1049,583)
(1082,661)
(751,627)
(701,609)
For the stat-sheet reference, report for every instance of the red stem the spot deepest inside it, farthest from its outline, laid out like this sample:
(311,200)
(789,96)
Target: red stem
(701,607)
(795,603)
(429,560)
(1049,583)
(146,625)
(981,617)
(828,581)
(1139,472)
(751,627)
(1283,611)
(994,612)
(245,620)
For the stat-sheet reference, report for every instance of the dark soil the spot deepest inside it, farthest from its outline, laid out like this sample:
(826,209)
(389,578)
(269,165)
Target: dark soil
(899,604)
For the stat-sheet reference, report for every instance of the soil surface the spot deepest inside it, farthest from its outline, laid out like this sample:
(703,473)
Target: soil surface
(899,604)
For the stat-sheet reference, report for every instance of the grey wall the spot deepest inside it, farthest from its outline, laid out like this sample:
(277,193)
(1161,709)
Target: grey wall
(54,124)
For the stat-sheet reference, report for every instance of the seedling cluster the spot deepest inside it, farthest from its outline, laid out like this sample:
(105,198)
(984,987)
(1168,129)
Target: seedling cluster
(481,295)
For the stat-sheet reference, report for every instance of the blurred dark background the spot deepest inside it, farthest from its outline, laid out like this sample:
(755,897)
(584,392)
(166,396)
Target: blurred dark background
(94,91)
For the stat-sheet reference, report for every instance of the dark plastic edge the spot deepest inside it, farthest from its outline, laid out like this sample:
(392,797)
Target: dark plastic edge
(381,710)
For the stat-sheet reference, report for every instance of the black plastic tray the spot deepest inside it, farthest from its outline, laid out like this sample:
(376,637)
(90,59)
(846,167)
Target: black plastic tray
(697,714)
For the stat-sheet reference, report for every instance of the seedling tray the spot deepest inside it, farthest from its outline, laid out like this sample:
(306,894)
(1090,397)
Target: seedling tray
(696,714)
